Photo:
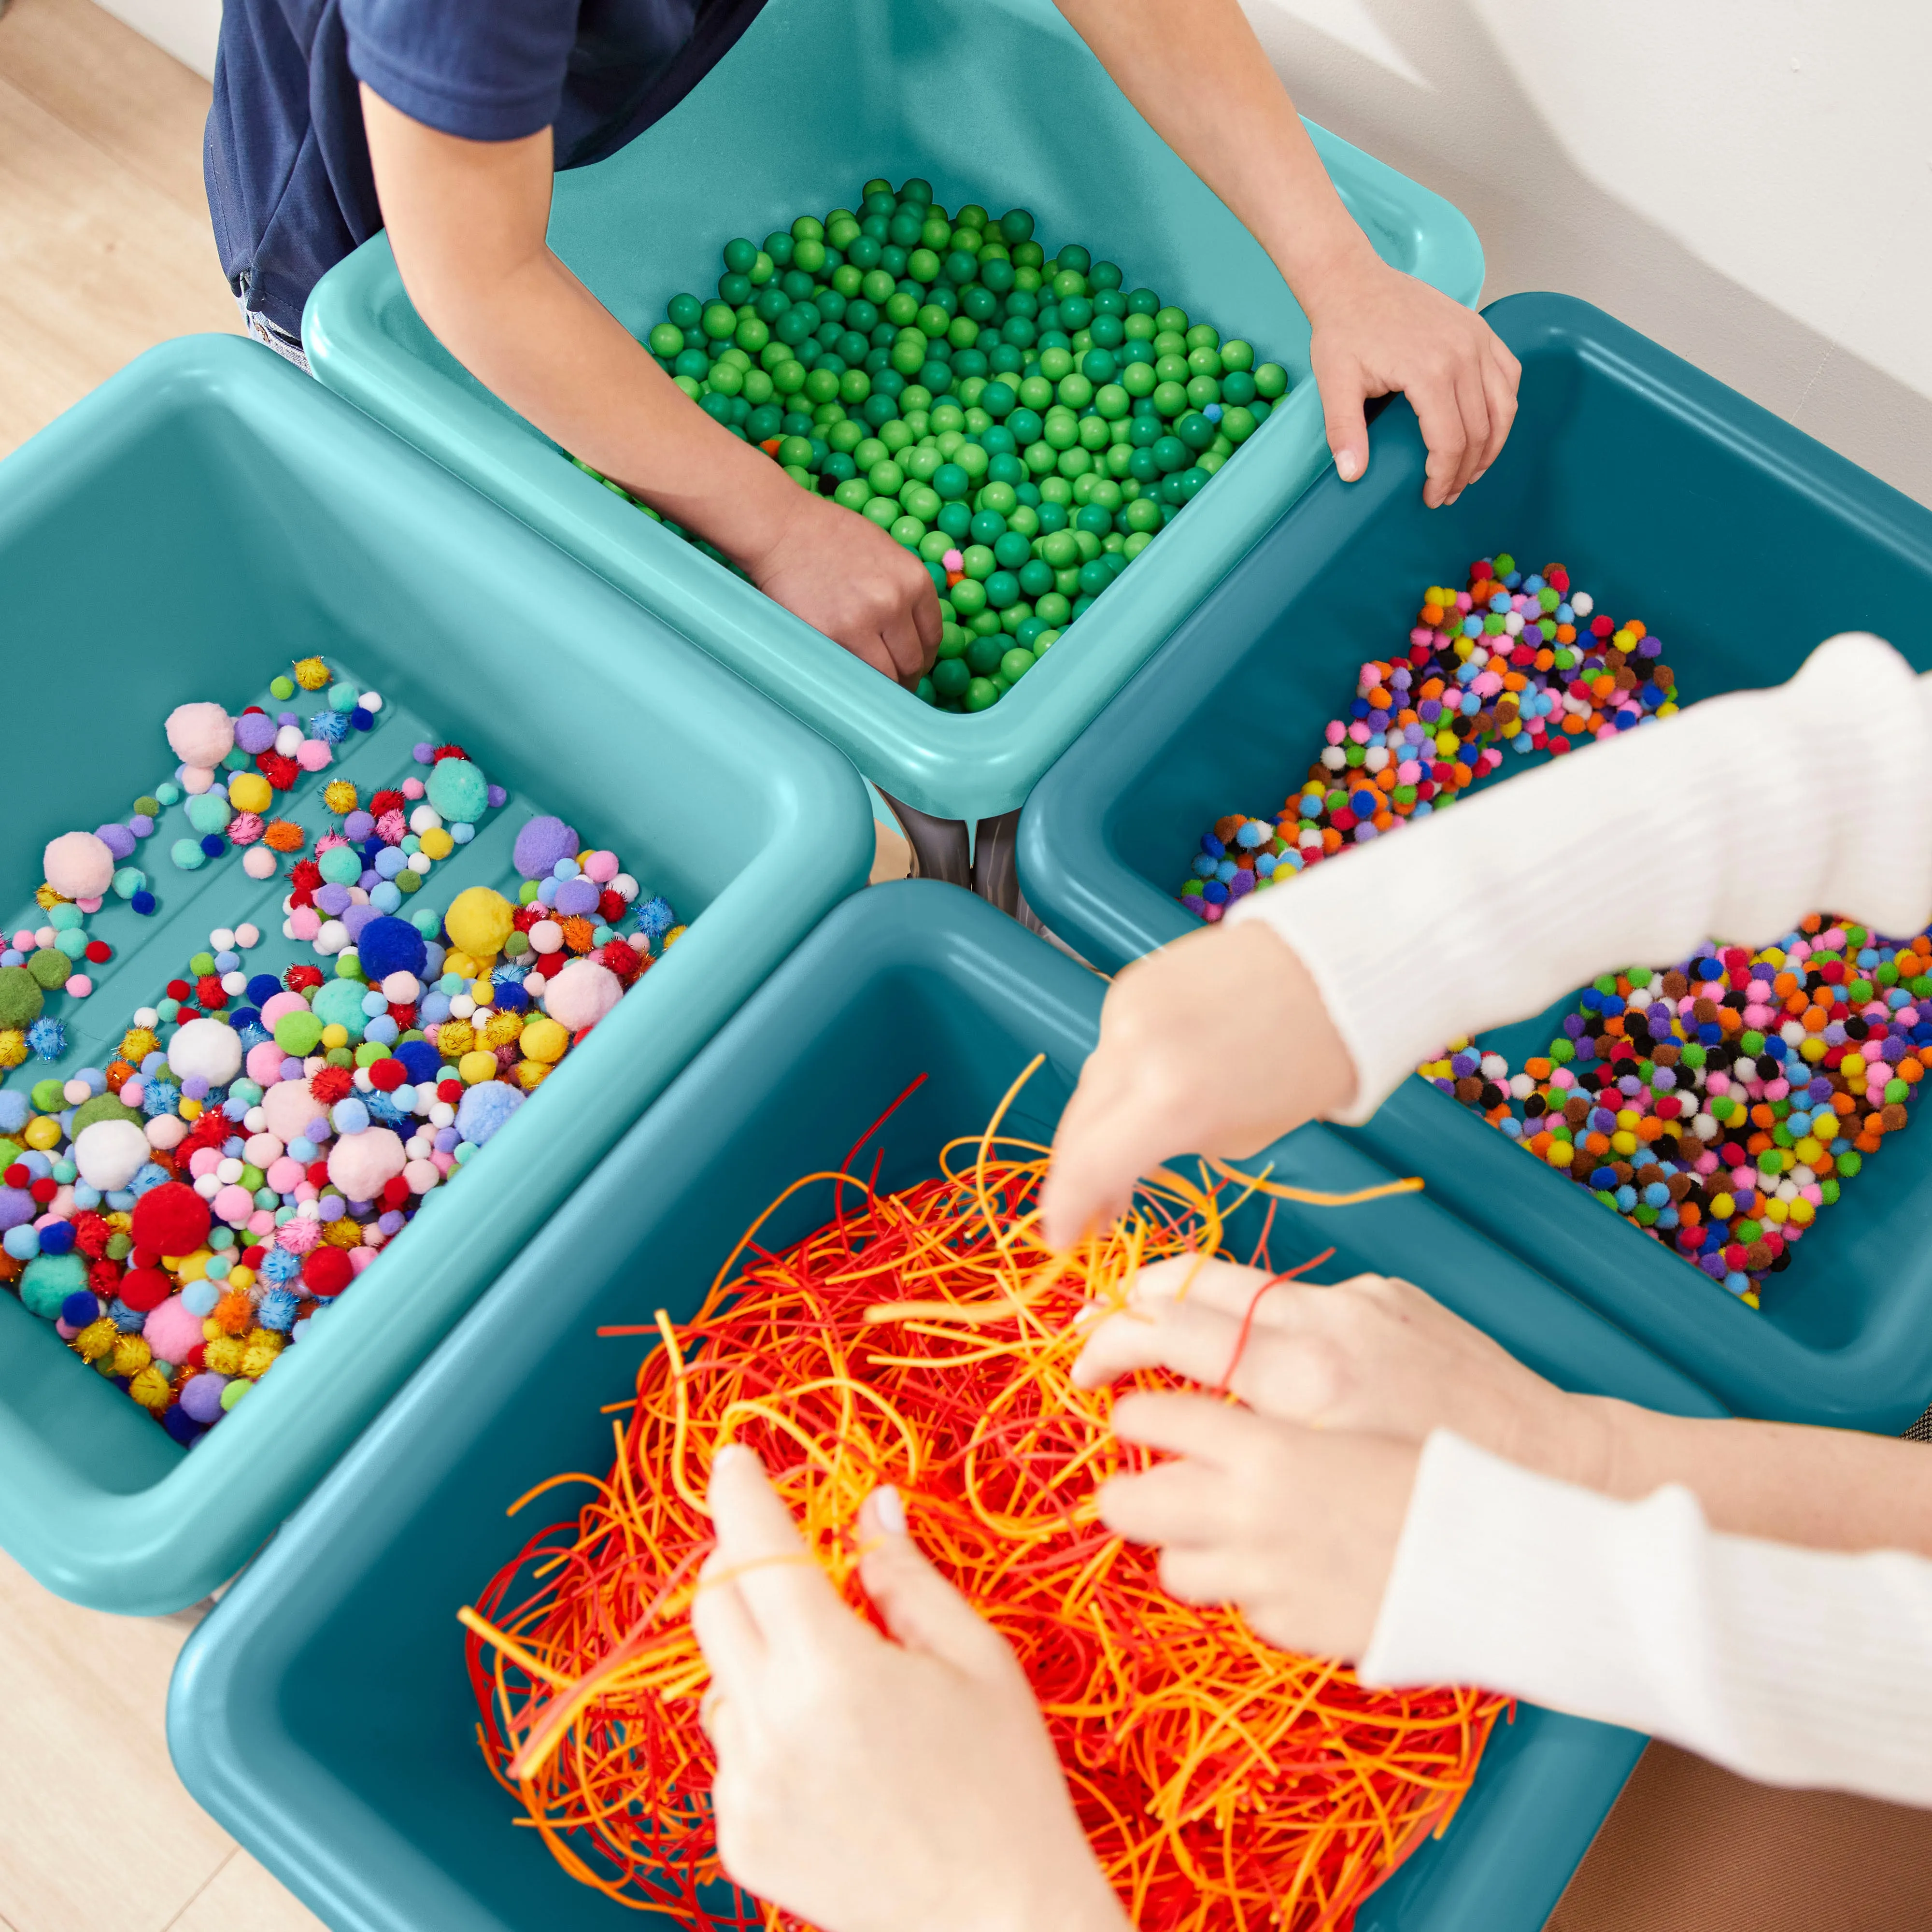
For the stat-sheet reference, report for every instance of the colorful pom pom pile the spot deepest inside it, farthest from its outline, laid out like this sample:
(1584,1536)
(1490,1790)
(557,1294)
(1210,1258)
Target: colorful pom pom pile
(1719,1105)
(183,1212)
(1511,662)
(918,1339)
(1023,425)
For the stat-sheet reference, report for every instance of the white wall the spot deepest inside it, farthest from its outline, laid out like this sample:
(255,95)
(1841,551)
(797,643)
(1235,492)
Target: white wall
(186,29)
(1749,182)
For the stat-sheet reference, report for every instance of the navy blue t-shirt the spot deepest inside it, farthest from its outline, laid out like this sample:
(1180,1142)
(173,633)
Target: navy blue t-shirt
(287,164)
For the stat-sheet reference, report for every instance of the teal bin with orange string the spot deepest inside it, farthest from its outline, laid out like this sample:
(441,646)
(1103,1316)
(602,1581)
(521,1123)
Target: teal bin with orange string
(996,102)
(205,518)
(1742,544)
(324,1711)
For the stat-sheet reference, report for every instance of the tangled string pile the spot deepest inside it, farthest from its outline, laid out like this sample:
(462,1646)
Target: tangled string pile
(924,1338)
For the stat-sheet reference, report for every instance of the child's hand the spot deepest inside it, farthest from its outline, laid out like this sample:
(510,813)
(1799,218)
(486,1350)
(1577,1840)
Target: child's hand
(1376,330)
(869,1785)
(1371,1353)
(1297,1528)
(846,577)
(1217,1045)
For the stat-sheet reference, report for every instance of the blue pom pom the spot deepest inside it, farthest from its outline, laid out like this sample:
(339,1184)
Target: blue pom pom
(510,997)
(151,1176)
(181,1426)
(14,1112)
(421,1061)
(280,1265)
(655,917)
(80,1309)
(1212,846)
(483,1109)
(361,720)
(159,1097)
(1251,835)
(277,1310)
(129,1321)
(382,1109)
(262,988)
(47,1037)
(143,902)
(330,727)
(214,844)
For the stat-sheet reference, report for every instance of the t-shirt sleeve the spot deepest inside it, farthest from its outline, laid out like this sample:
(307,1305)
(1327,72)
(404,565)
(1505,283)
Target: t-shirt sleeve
(483,70)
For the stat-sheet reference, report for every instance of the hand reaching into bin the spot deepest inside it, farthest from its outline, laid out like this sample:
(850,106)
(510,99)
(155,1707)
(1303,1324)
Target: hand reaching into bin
(1194,69)
(871,1782)
(467,220)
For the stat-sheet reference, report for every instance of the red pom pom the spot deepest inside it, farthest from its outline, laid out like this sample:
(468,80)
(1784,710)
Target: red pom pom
(91,1233)
(449,1091)
(395,1191)
(172,1219)
(104,1278)
(197,1359)
(617,957)
(318,1174)
(146,1288)
(612,905)
(327,1271)
(386,801)
(99,951)
(19,1175)
(306,873)
(300,979)
(280,772)
(207,991)
(1601,627)
(405,1017)
(332,1084)
(252,1257)
(442,752)
(525,916)
(180,989)
(43,1190)
(549,965)
(386,1076)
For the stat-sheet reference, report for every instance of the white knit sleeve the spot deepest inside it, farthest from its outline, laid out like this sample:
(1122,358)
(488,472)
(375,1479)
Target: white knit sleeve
(1792,1667)
(1730,821)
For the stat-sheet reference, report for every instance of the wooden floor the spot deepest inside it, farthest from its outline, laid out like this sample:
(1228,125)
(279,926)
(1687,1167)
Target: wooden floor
(104,251)
(105,247)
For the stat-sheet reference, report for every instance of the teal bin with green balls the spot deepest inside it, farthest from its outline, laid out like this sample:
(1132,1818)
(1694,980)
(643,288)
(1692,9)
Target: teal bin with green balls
(325,1712)
(1742,544)
(186,534)
(987,107)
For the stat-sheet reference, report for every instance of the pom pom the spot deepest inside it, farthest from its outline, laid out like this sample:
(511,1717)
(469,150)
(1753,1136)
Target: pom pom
(458,791)
(200,734)
(205,1049)
(254,732)
(283,836)
(362,1164)
(311,673)
(281,771)
(388,946)
(328,1270)
(483,1109)
(47,1038)
(109,1153)
(173,1331)
(170,1219)
(21,999)
(581,994)
(540,844)
(478,921)
(79,865)
(339,797)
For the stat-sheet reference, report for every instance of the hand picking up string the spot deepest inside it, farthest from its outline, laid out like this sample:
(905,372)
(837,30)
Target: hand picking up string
(923,1340)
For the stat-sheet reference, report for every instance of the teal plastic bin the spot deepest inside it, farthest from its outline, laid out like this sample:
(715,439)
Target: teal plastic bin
(995,101)
(323,1712)
(1742,544)
(201,520)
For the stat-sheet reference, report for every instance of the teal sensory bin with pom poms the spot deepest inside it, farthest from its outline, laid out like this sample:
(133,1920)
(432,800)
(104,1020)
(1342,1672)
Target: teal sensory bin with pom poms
(1742,544)
(995,105)
(276,687)
(324,1711)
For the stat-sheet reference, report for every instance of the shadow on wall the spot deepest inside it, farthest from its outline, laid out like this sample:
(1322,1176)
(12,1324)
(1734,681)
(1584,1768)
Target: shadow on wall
(1545,224)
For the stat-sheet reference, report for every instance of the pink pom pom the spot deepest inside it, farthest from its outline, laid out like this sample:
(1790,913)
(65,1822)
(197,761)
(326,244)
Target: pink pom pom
(304,923)
(284,1175)
(360,1257)
(233,1205)
(276,1007)
(262,1221)
(259,862)
(953,559)
(166,1131)
(299,1235)
(263,1150)
(245,828)
(600,867)
(360,1164)
(204,1160)
(90,906)
(79,985)
(581,994)
(200,735)
(264,1063)
(196,779)
(78,864)
(391,828)
(312,755)
(172,1331)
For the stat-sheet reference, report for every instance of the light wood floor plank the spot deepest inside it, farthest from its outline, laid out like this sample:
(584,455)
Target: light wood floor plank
(243,1898)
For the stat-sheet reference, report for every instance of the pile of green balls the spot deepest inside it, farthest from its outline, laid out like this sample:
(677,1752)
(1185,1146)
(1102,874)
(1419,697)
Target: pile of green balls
(1025,425)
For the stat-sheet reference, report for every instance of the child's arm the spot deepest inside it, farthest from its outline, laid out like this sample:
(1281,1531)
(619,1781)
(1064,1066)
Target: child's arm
(1731,820)
(1194,69)
(467,219)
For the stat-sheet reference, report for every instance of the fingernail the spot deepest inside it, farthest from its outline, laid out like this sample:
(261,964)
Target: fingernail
(889,1508)
(731,1452)
(1349,466)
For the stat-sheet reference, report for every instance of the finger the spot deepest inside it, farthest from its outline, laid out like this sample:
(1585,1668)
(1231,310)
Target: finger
(869,647)
(1473,405)
(785,1593)
(921,1609)
(901,638)
(1188,1337)
(1202,1576)
(1443,431)
(1499,386)
(1343,389)
(1179,1503)
(1110,1134)
(1209,1429)
(927,621)
(724,1630)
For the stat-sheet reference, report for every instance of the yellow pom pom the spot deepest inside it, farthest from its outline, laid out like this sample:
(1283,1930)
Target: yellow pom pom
(249,791)
(191,1110)
(95,1340)
(186,1268)
(672,936)
(531,1074)
(545,1039)
(342,1233)
(478,921)
(258,1352)
(224,1355)
(339,795)
(503,1029)
(136,1043)
(131,1355)
(476,1066)
(311,673)
(151,1389)
(454,1038)
(42,1132)
(332,1036)
(240,1277)
(13,1048)
(437,843)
